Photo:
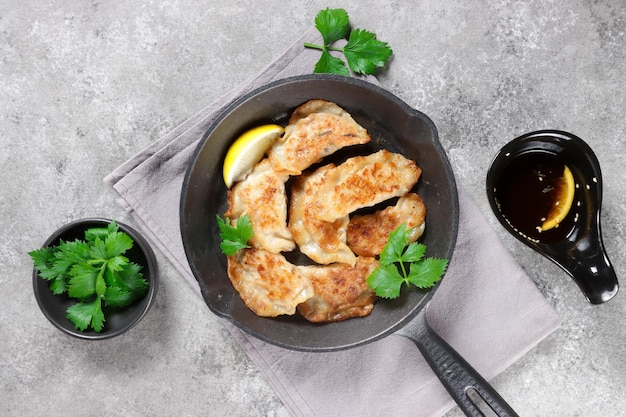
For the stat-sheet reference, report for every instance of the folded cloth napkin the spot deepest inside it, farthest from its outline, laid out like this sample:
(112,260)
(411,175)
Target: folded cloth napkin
(487,308)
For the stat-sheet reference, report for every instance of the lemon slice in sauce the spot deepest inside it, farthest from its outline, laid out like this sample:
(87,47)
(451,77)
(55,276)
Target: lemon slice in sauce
(563,202)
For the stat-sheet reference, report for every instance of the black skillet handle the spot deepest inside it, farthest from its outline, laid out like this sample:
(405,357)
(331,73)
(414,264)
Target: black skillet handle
(453,371)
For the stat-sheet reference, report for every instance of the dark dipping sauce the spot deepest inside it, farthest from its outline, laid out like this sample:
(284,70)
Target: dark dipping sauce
(527,190)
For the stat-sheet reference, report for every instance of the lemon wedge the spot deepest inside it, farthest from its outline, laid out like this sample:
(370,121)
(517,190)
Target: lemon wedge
(563,202)
(247,150)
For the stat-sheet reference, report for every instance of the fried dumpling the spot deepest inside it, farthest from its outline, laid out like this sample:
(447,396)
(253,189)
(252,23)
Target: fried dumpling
(318,106)
(268,284)
(363,181)
(323,242)
(317,129)
(263,197)
(367,234)
(340,291)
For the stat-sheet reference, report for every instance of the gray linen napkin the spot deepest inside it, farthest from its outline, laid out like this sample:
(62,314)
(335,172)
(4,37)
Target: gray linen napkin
(487,308)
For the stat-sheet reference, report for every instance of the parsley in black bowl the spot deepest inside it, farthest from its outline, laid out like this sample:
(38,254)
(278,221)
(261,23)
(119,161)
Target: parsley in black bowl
(95,278)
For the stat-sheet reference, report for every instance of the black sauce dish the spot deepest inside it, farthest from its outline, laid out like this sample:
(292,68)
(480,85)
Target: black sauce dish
(54,307)
(576,245)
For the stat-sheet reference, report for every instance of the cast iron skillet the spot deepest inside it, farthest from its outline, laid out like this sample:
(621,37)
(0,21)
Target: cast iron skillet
(393,125)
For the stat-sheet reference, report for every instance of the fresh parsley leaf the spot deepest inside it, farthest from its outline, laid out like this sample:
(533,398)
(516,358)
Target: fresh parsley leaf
(333,24)
(72,252)
(364,53)
(414,252)
(86,314)
(58,286)
(101,286)
(117,263)
(124,286)
(44,263)
(234,237)
(96,232)
(387,279)
(117,243)
(51,268)
(427,272)
(91,271)
(392,251)
(42,257)
(63,263)
(329,64)
(82,284)
(118,297)
(98,251)
(131,279)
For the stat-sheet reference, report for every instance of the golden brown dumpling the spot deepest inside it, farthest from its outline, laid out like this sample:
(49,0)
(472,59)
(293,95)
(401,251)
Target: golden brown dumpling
(268,284)
(263,198)
(317,129)
(323,242)
(363,181)
(368,234)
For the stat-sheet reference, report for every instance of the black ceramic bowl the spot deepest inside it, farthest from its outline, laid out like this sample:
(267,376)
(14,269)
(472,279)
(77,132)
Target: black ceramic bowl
(117,320)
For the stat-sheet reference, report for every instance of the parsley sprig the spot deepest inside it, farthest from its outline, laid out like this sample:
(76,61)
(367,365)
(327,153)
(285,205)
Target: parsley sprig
(364,53)
(234,237)
(402,264)
(94,272)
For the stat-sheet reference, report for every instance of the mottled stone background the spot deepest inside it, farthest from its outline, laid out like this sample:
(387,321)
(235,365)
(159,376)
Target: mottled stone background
(84,85)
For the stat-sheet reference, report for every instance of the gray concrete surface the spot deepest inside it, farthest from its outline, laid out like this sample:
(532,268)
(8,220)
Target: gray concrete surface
(86,84)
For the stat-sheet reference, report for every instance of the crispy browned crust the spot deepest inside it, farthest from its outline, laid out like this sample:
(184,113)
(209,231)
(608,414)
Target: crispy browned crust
(368,234)
(318,130)
(341,291)
(364,181)
(323,242)
(267,283)
(263,198)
